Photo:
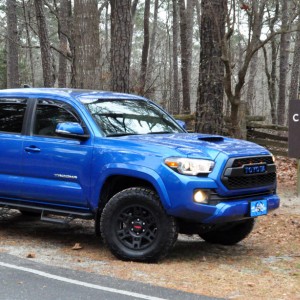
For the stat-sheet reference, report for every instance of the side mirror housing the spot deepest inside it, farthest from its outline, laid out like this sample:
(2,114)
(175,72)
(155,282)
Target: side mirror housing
(181,123)
(71,130)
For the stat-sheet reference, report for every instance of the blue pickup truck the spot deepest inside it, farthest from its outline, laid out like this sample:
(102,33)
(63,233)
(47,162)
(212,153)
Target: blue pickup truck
(123,161)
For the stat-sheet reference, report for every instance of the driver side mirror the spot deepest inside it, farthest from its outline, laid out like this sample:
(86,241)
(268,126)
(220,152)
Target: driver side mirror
(181,123)
(71,130)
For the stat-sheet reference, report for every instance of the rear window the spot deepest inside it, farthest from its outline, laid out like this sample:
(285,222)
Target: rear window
(12,112)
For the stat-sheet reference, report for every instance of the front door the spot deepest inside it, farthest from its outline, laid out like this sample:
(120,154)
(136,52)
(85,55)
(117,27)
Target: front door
(56,169)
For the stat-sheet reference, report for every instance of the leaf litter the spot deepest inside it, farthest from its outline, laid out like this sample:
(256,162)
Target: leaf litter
(266,265)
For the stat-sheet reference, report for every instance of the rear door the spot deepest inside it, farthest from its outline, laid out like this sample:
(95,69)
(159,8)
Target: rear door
(56,170)
(12,116)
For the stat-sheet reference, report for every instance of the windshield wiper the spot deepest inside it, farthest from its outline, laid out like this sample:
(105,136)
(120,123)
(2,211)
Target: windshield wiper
(160,132)
(120,134)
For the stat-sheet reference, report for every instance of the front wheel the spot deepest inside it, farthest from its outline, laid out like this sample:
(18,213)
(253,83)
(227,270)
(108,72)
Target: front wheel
(230,233)
(135,226)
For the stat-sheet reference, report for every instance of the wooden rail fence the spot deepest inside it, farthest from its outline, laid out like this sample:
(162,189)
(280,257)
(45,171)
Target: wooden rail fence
(273,137)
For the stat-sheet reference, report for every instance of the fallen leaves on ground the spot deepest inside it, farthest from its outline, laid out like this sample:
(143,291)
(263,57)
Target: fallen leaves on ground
(77,246)
(266,265)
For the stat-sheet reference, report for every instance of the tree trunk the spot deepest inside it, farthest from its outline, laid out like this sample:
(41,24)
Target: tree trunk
(149,84)
(294,90)
(209,108)
(86,44)
(283,65)
(271,87)
(190,11)
(145,50)
(251,83)
(13,77)
(257,27)
(186,17)
(121,32)
(46,53)
(271,75)
(174,105)
(234,90)
(64,33)
(28,40)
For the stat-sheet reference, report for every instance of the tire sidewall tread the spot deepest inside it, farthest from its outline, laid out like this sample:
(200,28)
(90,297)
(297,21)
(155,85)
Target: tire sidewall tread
(150,200)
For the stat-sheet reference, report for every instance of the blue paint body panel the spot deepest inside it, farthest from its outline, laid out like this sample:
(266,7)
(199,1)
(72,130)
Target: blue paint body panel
(70,173)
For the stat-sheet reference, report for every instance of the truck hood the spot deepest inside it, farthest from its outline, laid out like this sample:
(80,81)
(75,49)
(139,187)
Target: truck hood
(200,145)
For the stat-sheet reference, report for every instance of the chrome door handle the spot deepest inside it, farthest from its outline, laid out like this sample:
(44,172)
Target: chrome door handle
(32,149)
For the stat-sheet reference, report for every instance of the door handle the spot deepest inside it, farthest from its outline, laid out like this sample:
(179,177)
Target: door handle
(32,149)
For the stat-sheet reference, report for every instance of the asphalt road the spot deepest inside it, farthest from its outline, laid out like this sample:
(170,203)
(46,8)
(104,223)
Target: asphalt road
(22,279)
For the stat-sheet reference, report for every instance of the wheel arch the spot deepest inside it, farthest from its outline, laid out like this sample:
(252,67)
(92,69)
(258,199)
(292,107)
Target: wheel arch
(115,182)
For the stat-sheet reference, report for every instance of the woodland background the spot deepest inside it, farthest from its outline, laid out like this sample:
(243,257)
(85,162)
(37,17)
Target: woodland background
(219,60)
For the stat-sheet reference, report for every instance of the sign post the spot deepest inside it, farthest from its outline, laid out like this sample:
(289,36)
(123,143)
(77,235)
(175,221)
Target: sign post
(294,136)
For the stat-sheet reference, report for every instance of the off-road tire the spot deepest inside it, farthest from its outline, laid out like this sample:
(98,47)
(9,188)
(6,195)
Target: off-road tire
(230,233)
(136,227)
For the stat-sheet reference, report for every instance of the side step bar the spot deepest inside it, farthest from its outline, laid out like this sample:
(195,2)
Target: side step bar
(67,215)
(64,220)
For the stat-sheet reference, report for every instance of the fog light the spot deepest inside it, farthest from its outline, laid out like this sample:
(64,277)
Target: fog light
(200,197)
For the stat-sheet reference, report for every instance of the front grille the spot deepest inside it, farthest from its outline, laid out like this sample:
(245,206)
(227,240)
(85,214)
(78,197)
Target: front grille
(251,181)
(238,162)
(234,176)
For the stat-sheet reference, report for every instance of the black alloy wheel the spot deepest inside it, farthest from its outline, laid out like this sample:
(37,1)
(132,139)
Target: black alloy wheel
(135,226)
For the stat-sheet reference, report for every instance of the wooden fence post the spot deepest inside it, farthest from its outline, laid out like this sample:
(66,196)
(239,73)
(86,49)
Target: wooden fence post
(298,177)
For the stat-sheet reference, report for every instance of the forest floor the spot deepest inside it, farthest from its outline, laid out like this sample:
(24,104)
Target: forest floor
(266,265)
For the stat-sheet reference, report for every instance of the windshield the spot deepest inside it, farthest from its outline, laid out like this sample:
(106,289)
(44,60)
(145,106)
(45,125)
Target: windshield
(125,117)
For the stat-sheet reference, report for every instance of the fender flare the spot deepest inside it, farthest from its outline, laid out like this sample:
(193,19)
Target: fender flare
(140,172)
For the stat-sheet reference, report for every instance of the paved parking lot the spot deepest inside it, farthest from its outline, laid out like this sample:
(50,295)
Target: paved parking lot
(24,279)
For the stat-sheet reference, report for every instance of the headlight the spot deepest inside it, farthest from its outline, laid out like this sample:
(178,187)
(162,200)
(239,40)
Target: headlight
(190,166)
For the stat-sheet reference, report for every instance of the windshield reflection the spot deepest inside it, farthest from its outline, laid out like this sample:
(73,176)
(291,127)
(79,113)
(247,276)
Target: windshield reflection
(126,117)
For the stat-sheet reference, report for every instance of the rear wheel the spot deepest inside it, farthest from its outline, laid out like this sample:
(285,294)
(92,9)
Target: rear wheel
(135,226)
(230,233)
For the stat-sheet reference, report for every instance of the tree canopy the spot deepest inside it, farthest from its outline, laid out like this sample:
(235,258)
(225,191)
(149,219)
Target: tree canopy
(212,59)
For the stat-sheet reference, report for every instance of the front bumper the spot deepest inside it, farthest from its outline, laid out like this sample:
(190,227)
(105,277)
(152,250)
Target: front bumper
(226,211)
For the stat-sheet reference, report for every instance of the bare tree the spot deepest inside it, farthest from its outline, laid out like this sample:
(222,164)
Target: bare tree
(145,50)
(86,44)
(12,57)
(174,105)
(46,53)
(233,87)
(186,31)
(149,76)
(254,60)
(64,36)
(294,89)
(121,37)
(283,67)
(271,71)
(209,108)
(28,40)
(251,91)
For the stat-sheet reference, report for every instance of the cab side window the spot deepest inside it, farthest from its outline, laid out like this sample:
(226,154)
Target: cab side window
(48,114)
(12,112)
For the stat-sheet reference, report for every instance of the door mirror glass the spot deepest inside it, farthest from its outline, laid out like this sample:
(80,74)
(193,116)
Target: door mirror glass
(70,129)
(181,123)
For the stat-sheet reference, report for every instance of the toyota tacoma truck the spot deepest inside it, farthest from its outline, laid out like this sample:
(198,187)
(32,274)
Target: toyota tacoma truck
(121,160)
